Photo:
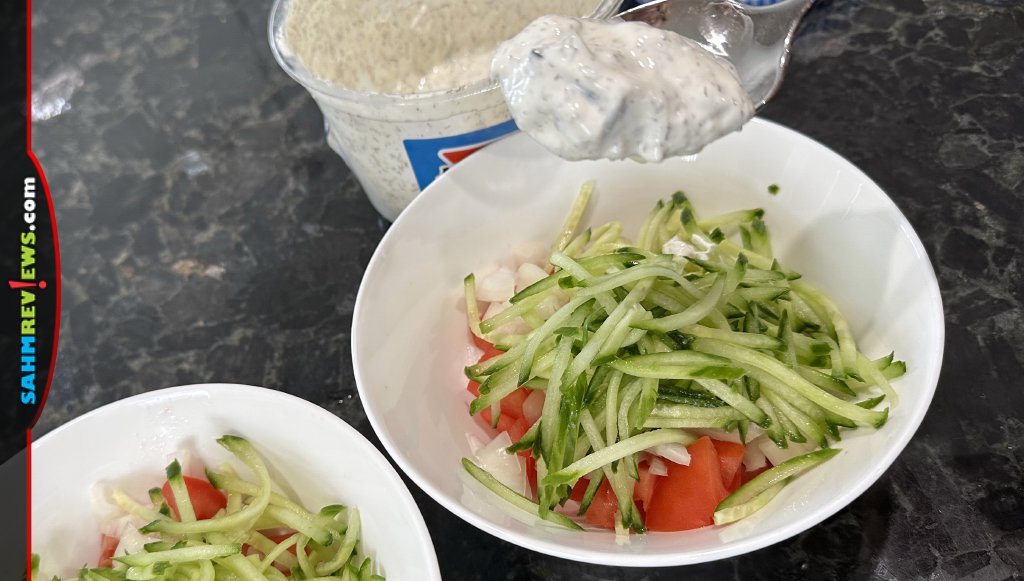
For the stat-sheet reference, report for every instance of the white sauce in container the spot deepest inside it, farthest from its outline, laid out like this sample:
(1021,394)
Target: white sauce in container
(404,85)
(588,89)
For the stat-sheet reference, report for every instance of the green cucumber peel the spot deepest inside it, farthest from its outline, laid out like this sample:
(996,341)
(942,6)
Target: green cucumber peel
(514,498)
(775,475)
(621,449)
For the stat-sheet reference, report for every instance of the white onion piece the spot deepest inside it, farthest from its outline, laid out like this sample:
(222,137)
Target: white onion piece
(132,541)
(753,456)
(532,252)
(528,274)
(778,455)
(533,406)
(496,286)
(509,469)
(657,467)
(673,452)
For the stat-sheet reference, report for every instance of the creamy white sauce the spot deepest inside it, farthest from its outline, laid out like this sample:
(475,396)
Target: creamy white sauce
(588,89)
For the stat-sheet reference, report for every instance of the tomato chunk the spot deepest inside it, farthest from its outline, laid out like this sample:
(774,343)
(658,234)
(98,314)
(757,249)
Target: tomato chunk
(531,473)
(686,498)
(644,489)
(481,343)
(206,500)
(602,509)
(108,545)
(730,457)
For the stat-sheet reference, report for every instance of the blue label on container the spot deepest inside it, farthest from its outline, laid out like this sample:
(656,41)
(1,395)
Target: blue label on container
(430,158)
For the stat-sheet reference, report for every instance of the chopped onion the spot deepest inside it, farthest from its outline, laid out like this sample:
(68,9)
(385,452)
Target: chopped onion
(657,467)
(496,286)
(509,469)
(528,274)
(672,452)
(753,456)
(532,406)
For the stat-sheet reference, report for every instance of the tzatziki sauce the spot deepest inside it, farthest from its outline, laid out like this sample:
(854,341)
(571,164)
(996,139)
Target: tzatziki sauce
(588,89)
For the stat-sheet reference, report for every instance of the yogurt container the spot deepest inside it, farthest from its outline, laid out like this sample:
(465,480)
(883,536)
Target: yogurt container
(397,139)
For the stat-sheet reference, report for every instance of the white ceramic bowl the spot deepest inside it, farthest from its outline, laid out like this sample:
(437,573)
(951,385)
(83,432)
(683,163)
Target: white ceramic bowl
(311,454)
(829,221)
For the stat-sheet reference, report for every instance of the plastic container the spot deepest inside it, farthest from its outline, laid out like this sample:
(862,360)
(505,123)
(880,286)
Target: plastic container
(397,144)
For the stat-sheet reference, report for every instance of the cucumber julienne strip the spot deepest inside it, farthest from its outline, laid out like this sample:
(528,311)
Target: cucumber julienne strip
(786,375)
(244,451)
(347,545)
(176,483)
(572,220)
(513,497)
(277,551)
(775,475)
(734,513)
(847,344)
(617,451)
(472,310)
(183,555)
(736,400)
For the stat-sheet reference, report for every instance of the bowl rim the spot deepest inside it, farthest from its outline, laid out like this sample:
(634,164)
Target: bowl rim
(379,461)
(740,547)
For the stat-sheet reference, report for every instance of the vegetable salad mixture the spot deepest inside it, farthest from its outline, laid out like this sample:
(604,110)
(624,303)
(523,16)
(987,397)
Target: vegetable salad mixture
(224,527)
(666,383)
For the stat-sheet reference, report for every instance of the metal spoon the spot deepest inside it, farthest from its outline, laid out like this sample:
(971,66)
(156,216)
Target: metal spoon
(755,39)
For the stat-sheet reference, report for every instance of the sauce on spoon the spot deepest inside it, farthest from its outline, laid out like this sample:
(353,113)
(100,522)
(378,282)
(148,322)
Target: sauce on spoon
(588,89)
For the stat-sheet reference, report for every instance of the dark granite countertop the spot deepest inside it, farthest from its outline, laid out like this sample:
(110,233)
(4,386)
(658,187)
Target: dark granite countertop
(209,234)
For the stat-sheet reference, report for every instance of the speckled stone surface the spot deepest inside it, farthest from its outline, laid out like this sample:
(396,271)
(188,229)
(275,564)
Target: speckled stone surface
(209,234)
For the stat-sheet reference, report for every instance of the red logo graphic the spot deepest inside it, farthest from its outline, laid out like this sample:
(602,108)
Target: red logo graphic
(23,284)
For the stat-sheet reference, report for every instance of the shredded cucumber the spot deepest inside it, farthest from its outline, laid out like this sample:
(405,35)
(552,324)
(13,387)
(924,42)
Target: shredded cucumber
(208,549)
(650,344)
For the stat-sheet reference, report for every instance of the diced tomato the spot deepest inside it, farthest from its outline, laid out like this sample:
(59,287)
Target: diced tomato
(579,489)
(686,498)
(512,403)
(505,421)
(737,481)
(730,457)
(644,489)
(108,545)
(206,500)
(531,473)
(602,509)
(481,343)
(490,351)
(517,430)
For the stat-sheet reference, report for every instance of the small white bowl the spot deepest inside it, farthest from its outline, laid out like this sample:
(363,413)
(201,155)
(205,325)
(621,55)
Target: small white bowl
(311,454)
(828,221)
